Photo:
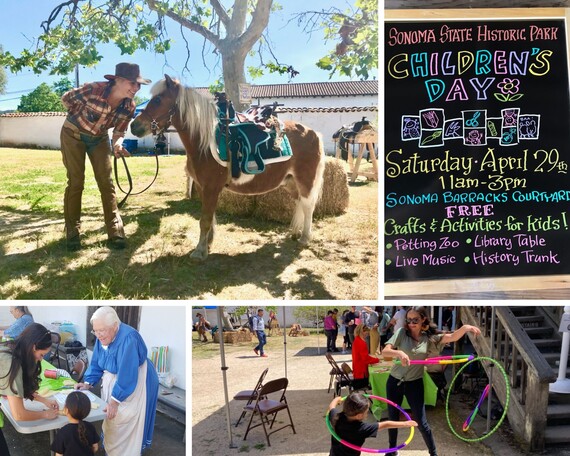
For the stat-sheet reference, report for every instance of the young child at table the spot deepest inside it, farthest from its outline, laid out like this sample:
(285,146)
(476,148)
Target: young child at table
(78,438)
(349,424)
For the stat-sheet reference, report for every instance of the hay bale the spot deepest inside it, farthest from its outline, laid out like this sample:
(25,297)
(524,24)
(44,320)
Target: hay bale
(234,337)
(279,205)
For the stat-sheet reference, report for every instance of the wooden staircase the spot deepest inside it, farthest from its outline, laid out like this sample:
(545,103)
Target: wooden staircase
(528,344)
(541,325)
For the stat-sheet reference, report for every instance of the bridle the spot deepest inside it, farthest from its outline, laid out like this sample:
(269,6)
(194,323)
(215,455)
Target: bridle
(154,123)
(159,142)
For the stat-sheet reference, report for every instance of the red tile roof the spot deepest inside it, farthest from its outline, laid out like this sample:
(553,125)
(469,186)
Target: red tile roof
(311,89)
(337,109)
(33,114)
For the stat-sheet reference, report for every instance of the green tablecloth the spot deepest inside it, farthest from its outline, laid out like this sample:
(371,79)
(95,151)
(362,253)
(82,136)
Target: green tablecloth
(378,379)
(53,384)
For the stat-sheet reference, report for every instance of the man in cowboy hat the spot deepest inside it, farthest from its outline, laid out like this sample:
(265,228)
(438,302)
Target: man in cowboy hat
(93,109)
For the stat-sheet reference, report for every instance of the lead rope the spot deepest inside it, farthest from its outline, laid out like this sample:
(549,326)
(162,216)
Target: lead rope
(159,143)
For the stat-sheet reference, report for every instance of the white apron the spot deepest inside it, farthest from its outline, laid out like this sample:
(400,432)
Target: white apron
(123,435)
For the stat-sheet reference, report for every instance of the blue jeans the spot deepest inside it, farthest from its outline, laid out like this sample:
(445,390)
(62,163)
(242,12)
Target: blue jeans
(414,392)
(262,341)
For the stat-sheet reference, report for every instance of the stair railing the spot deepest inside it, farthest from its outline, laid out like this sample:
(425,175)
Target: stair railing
(528,372)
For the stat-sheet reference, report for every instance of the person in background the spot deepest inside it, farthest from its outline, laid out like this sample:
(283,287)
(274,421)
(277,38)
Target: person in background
(342,331)
(398,320)
(23,320)
(202,326)
(129,384)
(20,368)
(350,424)
(360,357)
(350,322)
(93,109)
(373,325)
(415,340)
(79,437)
(335,332)
(384,319)
(447,318)
(330,325)
(259,329)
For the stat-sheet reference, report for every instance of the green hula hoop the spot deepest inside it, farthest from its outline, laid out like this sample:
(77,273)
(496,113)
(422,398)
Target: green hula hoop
(497,364)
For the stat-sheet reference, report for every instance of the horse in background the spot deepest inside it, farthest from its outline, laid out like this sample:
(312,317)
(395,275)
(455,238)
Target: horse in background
(195,118)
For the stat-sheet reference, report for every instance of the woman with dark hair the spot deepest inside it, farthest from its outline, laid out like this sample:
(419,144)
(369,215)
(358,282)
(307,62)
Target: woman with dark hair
(20,376)
(415,340)
(23,319)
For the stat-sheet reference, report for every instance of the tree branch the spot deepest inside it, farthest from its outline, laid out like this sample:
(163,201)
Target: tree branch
(211,37)
(55,13)
(239,15)
(218,8)
(259,21)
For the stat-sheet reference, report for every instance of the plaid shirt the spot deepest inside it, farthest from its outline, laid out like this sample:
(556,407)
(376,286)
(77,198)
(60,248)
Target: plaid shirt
(88,109)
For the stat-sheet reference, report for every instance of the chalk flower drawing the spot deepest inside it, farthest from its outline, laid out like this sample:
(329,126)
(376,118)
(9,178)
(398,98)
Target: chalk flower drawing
(509,90)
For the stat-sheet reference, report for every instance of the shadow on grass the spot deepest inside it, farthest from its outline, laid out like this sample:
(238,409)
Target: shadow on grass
(169,276)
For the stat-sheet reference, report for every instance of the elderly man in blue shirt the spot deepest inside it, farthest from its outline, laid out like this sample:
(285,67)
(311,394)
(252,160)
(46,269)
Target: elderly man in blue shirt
(259,328)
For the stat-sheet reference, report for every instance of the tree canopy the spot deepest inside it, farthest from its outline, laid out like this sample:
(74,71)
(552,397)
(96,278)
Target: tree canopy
(356,34)
(42,99)
(75,29)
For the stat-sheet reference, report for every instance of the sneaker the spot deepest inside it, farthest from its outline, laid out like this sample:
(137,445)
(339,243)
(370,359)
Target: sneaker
(256,351)
(263,356)
(73,244)
(117,243)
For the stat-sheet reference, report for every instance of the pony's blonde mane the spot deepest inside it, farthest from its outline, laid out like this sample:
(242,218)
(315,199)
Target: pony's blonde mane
(197,112)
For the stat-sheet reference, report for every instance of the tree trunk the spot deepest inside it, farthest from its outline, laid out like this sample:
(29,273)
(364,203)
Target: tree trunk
(233,64)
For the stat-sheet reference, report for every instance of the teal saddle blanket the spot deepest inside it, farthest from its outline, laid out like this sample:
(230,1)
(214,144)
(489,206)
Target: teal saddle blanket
(251,147)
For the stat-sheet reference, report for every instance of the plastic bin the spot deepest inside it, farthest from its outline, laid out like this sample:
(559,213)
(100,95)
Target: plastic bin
(131,145)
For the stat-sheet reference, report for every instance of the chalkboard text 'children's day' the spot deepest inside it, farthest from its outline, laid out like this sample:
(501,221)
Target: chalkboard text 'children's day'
(480,33)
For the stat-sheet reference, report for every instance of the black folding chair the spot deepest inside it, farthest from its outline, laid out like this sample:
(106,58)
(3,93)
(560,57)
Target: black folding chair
(266,407)
(335,371)
(250,395)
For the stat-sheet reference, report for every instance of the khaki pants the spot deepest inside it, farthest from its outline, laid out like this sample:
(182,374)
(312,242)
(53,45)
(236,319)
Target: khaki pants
(74,146)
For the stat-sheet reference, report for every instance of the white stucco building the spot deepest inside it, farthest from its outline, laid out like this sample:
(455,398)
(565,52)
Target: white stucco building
(322,106)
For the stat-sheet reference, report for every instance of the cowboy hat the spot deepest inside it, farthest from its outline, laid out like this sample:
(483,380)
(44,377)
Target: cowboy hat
(129,71)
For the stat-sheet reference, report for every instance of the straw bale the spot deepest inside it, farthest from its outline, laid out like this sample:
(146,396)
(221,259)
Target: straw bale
(278,205)
(234,337)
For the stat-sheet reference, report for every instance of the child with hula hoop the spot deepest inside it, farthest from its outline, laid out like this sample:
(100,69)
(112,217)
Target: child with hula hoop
(349,424)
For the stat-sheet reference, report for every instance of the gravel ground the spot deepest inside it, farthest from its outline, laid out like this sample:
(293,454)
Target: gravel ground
(308,400)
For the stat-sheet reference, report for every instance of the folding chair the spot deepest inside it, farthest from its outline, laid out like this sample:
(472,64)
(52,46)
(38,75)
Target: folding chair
(55,340)
(354,384)
(250,395)
(267,407)
(334,372)
(78,370)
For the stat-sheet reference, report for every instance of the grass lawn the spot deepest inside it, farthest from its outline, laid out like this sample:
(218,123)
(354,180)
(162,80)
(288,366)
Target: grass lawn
(250,259)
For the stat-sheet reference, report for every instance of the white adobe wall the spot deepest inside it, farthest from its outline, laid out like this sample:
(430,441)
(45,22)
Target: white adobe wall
(328,123)
(166,325)
(321,102)
(159,325)
(43,130)
(39,131)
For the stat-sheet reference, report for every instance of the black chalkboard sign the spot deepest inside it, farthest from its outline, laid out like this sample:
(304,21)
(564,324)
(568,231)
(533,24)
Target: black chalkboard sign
(477,147)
